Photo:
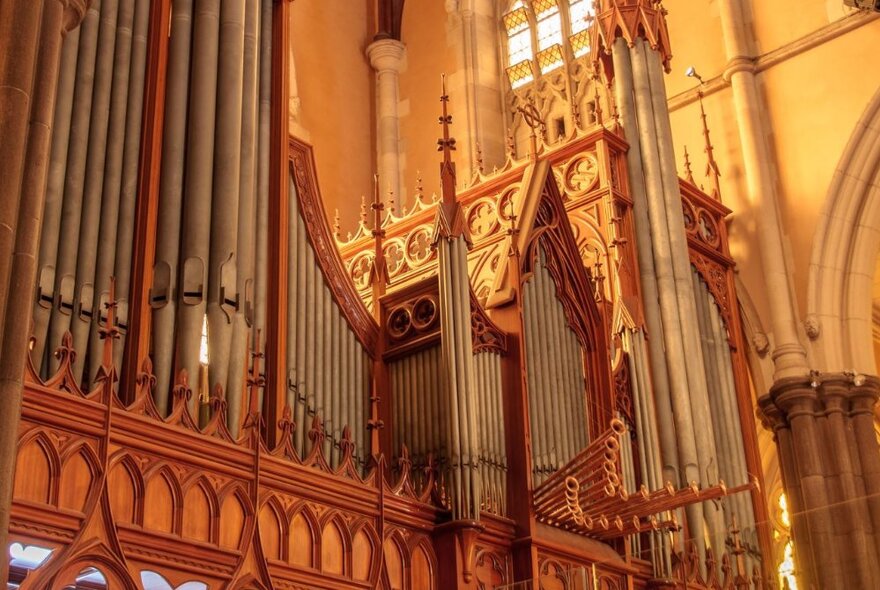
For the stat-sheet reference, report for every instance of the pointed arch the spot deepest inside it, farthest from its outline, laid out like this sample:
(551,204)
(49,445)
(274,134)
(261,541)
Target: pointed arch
(273,529)
(423,564)
(80,469)
(845,251)
(396,560)
(126,487)
(202,510)
(336,545)
(304,539)
(365,551)
(38,468)
(235,516)
(162,500)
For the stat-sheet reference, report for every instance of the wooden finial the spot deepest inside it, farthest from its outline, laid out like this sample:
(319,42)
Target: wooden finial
(363,211)
(255,382)
(479,159)
(712,171)
(109,332)
(379,273)
(420,190)
(392,206)
(336,232)
(446,144)
(449,222)
(511,145)
(689,174)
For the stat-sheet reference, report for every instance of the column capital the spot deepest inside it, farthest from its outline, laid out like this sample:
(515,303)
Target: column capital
(386,54)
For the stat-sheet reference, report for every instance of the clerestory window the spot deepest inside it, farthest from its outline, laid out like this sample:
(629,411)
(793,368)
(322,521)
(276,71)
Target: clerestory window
(542,34)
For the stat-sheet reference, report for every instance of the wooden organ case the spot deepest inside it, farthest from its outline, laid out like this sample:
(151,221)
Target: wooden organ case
(380,477)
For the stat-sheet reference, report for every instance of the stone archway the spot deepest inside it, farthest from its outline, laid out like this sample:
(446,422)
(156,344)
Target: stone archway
(845,252)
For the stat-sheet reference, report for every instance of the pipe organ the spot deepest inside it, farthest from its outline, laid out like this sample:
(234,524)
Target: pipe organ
(465,395)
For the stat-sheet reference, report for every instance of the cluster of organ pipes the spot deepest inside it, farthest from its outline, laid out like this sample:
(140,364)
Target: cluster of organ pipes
(214,182)
(555,372)
(92,182)
(588,494)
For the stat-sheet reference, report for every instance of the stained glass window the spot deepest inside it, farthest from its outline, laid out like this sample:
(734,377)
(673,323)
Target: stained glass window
(580,13)
(549,23)
(537,35)
(519,35)
(786,567)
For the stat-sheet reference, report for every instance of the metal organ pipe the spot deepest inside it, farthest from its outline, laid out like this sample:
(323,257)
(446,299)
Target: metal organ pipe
(222,296)
(196,232)
(728,431)
(112,183)
(264,135)
(555,375)
(71,208)
(243,318)
(650,292)
(317,331)
(54,197)
(130,164)
(165,294)
(85,306)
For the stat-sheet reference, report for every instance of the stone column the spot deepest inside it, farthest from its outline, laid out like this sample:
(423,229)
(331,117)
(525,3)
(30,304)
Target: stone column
(31,35)
(829,455)
(789,357)
(477,82)
(386,56)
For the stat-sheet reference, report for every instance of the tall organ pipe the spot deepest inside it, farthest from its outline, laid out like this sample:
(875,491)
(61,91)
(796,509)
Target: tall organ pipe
(165,294)
(130,162)
(112,184)
(264,157)
(458,375)
(94,181)
(689,454)
(54,197)
(623,82)
(222,267)
(243,318)
(71,208)
(196,234)
(696,370)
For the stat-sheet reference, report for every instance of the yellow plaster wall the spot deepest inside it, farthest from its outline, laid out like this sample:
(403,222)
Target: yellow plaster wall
(811,104)
(428,55)
(337,100)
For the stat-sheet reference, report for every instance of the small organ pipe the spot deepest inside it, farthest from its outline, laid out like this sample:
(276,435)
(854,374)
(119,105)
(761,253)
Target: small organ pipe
(54,197)
(71,208)
(112,183)
(294,297)
(130,163)
(87,298)
(301,271)
(539,432)
(164,298)
(549,355)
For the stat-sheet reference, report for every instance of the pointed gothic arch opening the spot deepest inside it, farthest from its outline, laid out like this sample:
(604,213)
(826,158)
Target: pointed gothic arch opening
(845,253)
